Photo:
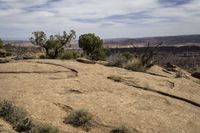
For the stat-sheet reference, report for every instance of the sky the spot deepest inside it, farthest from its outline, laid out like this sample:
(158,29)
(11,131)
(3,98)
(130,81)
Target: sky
(105,18)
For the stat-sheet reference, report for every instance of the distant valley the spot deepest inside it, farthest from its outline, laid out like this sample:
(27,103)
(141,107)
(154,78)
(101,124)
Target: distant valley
(182,40)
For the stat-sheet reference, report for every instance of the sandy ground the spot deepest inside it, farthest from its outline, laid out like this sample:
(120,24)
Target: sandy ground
(153,102)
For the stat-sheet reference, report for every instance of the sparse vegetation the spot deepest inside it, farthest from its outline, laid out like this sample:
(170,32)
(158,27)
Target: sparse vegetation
(43,128)
(20,121)
(92,46)
(53,46)
(117,60)
(80,118)
(67,55)
(15,115)
(133,62)
(179,74)
(122,129)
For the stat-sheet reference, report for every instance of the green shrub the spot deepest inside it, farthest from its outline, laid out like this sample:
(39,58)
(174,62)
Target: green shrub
(122,129)
(127,55)
(98,54)
(147,60)
(117,60)
(6,108)
(131,62)
(80,118)
(68,55)
(15,115)
(134,64)
(92,45)
(18,118)
(43,128)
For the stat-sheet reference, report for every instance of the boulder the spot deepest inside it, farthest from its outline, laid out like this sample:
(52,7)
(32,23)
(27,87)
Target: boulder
(105,63)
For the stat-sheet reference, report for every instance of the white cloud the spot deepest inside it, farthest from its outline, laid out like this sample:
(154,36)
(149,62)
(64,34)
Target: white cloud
(108,18)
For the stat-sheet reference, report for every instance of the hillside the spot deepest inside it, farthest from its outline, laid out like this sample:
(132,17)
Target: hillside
(152,102)
(167,40)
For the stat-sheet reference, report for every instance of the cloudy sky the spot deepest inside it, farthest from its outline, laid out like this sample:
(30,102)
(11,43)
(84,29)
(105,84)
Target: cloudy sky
(106,18)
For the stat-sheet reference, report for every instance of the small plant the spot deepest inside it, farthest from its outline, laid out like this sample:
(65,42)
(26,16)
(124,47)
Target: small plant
(15,115)
(80,118)
(92,46)
(134,64)
(43,128)
(179,74)
(127,55)
(42,56)
(2,53)
(117,60)
(68,55)
(122,129)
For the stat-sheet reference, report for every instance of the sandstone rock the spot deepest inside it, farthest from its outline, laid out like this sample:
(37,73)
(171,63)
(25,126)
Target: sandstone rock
(196,75)
(87,61)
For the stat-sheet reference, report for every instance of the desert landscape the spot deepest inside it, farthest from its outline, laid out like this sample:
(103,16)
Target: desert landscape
(150,102)
(90,66)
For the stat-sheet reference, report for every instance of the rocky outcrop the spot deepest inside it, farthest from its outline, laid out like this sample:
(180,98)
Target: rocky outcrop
(196,75)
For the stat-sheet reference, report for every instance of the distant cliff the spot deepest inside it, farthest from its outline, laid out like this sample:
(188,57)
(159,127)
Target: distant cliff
(167,40)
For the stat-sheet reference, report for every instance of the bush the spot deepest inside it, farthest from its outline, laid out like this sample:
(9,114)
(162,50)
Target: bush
(80,118)
(179,74)
(43,128)
(117,60)
(131,62)
(92,45)
(127,55)
(15,115)
(67,55)
(99,54)
(122,129)
(134,64)
(147,60)
(55,44)
(18,118)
